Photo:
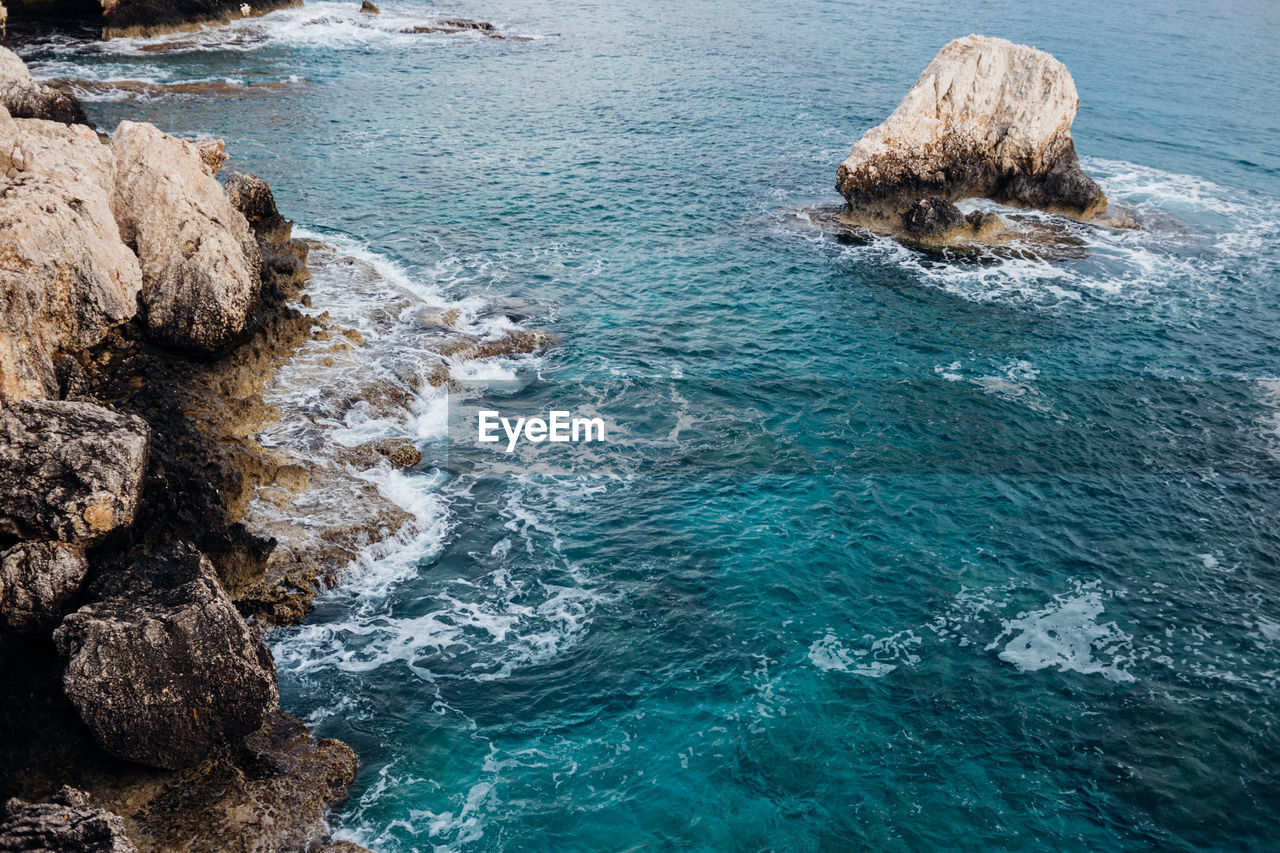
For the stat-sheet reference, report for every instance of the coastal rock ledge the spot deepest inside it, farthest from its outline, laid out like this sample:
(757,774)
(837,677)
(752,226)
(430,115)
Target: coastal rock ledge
(987,119)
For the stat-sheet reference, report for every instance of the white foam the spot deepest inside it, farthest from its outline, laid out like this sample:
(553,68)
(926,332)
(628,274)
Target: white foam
(1066,634)
(1193,232)
(879,658)
(323,25)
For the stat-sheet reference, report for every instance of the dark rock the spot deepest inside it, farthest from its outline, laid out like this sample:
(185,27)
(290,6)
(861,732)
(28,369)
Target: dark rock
(162,667)
(457,25)
(37,582)
(23,97)
(252,196)
(68,471)
(284,259)
(146,18)
(368,8)
(268,793)
(932,217)
(66,824)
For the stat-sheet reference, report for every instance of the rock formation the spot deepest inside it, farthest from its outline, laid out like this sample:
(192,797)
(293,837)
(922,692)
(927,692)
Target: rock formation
(66,278)
(115,450)
(23,97)
(146,18)
(140,661)
(284,259)
(987,119)
(68,471)
(200,262)
(67,824)
(37,582)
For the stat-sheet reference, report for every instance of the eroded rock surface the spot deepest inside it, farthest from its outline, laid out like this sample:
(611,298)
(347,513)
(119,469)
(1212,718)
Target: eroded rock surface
(200,263)
(162,667)
(37,582)
(23,97)
(66,824)
(66,277)
(266,794)
(987,119)
(69,470)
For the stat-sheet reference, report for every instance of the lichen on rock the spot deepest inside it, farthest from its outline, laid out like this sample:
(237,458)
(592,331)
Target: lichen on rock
(987,119)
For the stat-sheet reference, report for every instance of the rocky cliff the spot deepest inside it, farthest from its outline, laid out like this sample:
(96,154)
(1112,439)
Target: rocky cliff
(143,305)
(987,119)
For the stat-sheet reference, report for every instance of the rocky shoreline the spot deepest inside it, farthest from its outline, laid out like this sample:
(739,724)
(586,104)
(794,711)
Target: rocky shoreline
(145,306)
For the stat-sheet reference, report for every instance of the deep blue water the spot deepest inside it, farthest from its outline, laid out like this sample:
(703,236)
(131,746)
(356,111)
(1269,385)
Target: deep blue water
(888,550)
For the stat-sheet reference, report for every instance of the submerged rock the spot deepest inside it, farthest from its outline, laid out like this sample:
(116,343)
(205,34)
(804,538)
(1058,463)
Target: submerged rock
(162,667)
(69,471)
(66,277)
(23,97)
(200,263)
(37,582)
(987,119)
(66,824)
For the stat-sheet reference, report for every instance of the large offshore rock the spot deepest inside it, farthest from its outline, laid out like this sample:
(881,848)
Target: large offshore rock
(37,582)
(987,119)
(200,263)
(145,18)
(162,667)
(23,97)
(66,824)
(66,278)
(69,471)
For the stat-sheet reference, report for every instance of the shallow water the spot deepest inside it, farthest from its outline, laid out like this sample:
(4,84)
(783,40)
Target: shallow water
(888,550)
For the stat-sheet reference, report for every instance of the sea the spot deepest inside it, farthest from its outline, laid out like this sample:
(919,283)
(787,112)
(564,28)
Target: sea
(884,549)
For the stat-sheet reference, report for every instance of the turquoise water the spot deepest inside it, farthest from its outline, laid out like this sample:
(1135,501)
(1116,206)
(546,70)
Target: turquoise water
(887,550)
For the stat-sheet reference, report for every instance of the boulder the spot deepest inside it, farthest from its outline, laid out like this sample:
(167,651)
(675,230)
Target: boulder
(69,471)
(37,582)
(284,259)
(368,8)
(66,824)
(987,119)
(251,195)
(66,278)
(200,263)
(23,97)
(162,667)
(146,18)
